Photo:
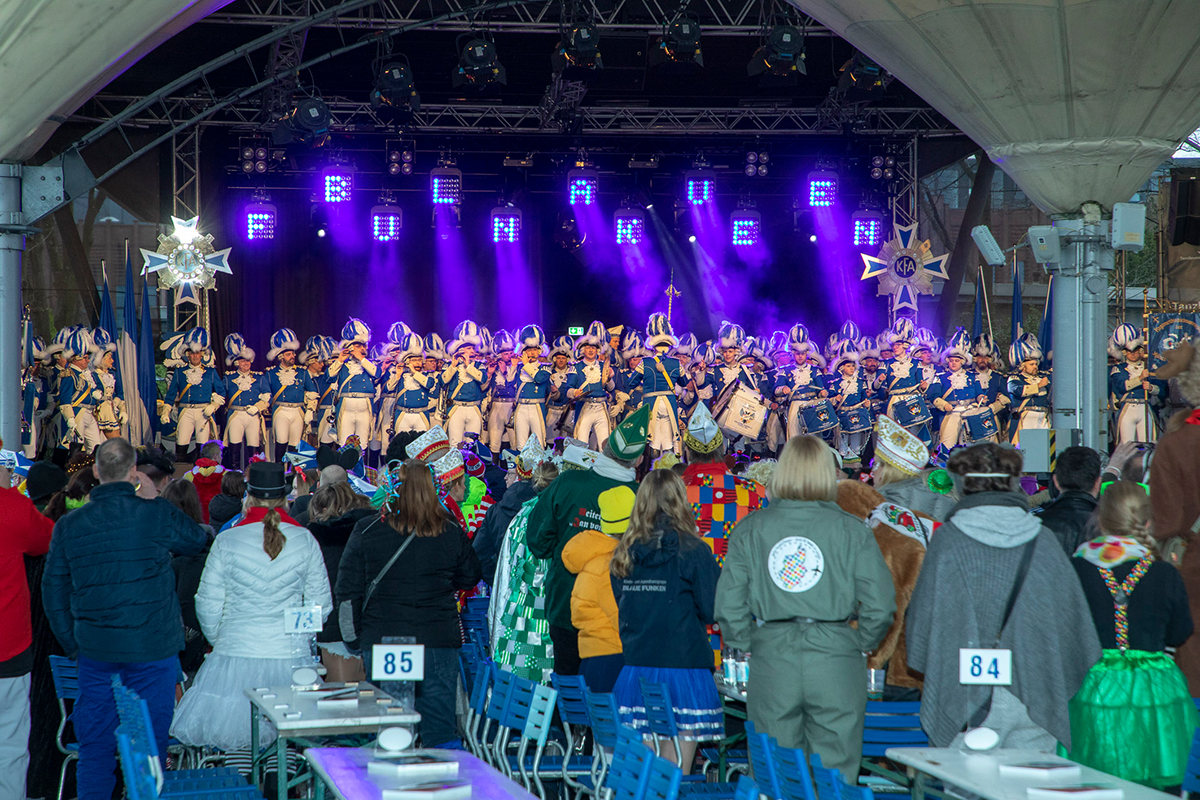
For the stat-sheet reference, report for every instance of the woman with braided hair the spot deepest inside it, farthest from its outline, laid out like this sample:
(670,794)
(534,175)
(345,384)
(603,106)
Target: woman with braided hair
(1140,607)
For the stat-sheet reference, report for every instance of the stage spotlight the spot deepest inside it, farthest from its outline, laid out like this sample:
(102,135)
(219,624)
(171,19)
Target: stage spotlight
(506,224)
(400,155)
(308,121)
(813,238)
(762,170)
(868,228)
(387,219)
(692,238)
(583,187)
(745,225)
(822,188)
(478,65)
(679,44)
(319,220)
(630,225)
(876,173)
(247,167)
(394,88)
(579,50)
(751,170)
(446,185)
(700,186)
(781,55)
(338,183)
(889,174)
(260,218)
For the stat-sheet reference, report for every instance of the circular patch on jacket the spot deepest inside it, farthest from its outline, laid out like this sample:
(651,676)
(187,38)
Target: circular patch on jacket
(795,564)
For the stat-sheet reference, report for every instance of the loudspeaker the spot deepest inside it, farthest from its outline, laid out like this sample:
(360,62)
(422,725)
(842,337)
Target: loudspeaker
(1184,220)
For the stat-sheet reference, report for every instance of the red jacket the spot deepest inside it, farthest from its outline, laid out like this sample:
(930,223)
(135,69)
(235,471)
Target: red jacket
(25,533)
(206,477)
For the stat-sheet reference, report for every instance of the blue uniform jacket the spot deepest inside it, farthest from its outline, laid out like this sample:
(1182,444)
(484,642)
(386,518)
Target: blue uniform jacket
(299,384)
(245,390)
(466,385)
(182,392)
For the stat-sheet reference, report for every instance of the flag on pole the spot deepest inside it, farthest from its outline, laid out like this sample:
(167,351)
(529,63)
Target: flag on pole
(1017,307)
(147,386)
(977,322)
(127,359)
(108,324)
(1046,329)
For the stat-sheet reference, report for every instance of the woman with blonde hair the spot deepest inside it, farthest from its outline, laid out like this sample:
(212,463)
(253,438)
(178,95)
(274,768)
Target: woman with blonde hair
(1140,607)
(332,514)
(664,580)
(254,572)
(795,574)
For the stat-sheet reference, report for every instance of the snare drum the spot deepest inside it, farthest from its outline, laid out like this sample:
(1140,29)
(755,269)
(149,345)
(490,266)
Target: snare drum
(855,420)
(979,423)
(744,414)
(819,417)
(912,411)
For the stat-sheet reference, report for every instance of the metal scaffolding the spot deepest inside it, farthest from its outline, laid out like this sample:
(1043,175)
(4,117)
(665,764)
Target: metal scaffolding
(185,196)
(285,59)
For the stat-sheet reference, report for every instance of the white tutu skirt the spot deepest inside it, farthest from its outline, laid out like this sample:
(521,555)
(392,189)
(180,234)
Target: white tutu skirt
(216,713)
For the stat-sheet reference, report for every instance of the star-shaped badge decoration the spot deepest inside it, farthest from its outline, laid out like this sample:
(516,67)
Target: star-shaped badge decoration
(186,260)
(905,267)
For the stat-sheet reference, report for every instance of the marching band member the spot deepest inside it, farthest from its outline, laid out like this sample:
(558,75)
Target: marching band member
(956,394)
(782,358)
(293,395)
(504,372)
(1132,387)
(558,407)
(78,393)
(409,384)
(868,362)
(34,389)
(758,377)
(659,376)
(802,387)
(386,390)
(628,397)
(111,415)
(903,380)
(354,375)
(852,399)
(246,400)
(612,352)
(731,338)
(435,357)
(463,383)
(316,357)
(197,391)
(992,385)
(591,381)
(1029,387)
(529,414)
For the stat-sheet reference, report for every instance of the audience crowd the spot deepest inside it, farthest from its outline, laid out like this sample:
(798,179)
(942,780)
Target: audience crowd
(828,580)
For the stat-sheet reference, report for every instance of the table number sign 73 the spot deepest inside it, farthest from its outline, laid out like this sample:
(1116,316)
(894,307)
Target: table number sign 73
(985,667)
(302,619)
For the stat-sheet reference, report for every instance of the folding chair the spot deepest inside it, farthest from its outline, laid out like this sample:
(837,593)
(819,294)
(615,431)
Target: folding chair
(629,771)
(827,781)
(578,771)
(747,789)
(795,782)
(889,724)
(762,762)
(144,779)
(477,707)
(663,781)
(502,684)
(65,673)
(602,712)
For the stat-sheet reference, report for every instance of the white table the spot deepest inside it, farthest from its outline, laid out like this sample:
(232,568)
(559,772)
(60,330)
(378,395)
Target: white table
(728,690)
(296,716)
(343,771)
(978,773)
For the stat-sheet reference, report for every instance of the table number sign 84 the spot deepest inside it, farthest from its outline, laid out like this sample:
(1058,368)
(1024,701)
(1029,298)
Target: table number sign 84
(985,667)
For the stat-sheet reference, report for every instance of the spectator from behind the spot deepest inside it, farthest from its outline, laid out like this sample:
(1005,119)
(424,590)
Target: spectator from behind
(109,594)
(1077,479)
(991,549)
(25,533)
(45,479)
(1140,608)
(490,536)
(228,504)
(206,475)
(73,496)
(256,570)
(335,510)
(795,573)
(312,482)
(157,466)
(188,569)
(901,476)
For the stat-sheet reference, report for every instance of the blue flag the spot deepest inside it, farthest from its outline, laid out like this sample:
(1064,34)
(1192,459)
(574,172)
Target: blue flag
(127,351)
(1046,329)
(977,322)
(1018,309)
(108,324)
(147,386)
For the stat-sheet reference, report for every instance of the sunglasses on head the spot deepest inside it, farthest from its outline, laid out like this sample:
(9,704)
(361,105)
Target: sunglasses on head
(1104,487)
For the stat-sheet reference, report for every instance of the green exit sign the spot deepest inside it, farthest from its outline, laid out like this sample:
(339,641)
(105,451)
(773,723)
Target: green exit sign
(575,331)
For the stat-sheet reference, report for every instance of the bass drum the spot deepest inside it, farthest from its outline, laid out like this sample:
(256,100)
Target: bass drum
(856,420)
(819,417)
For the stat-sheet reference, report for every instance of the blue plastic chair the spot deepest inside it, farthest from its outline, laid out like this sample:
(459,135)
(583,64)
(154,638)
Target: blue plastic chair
(143,775)
(502,684)
(1191,774)
(795,782)
(477,707)
(849,792)
(890,724)
(629,771)
(828,781)
(578,771)
(656,698)
(65,673)
(602,711)
(762,761)
(512,718)
(663,781)
(747,789)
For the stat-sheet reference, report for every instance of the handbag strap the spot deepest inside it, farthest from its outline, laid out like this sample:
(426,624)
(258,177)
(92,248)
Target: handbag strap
(378,578)
(1022,570)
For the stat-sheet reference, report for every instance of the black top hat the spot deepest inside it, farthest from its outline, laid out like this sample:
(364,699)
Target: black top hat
(265,479)
(44,479)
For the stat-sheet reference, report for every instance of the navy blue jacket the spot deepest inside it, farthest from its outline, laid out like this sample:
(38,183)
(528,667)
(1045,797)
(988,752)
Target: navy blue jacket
(108,587)
(666,601)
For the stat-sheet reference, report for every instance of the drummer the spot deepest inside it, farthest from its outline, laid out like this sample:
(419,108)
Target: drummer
(958,396)
(1029,386)
(905,385)
(852,401)
(803,386)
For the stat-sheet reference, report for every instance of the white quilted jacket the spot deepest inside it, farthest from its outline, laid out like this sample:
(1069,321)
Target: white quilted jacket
(243,593)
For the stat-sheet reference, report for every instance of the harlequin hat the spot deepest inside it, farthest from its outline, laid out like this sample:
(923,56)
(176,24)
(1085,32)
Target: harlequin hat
(173,346)
(831,345)
(659,332)
(778,343)
(196,339)
(730,334)
(530,456)
(1127,337)
(896,446)
(430,445)
(959,346)
(101,343)
(397,332)
(629,439)
(235,348)
(503,343)
(435,347)
(983,345)
(849,330)
(687,345)
(489,344)
(923,339)
(466,333)
(411,346)
(616,507)
(1024,349)
(531,337)
(903,330)
(59,342)
(355,331)
(79,343)
(867,348)
(34,349)
(845,353)
(631,345)
(282,339)
(702,434)
(596,336)
(449,467)
(563,345)
(798,341)
(754,349)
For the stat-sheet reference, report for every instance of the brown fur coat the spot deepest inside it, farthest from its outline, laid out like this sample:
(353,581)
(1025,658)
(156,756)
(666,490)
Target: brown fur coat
(904,556)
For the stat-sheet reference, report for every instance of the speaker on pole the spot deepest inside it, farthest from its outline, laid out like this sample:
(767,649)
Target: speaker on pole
(1184,219)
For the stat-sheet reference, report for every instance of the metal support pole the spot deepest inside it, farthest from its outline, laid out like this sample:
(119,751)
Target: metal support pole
(1080,331)
(12,245)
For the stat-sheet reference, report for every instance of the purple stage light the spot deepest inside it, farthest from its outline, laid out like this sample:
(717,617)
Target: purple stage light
(583,187)
(386,222)
(701,186)
(446,184)
(822,188)
(745,227)
(506,224)
(338,185)
(868,228)
(260,221)
(630,224)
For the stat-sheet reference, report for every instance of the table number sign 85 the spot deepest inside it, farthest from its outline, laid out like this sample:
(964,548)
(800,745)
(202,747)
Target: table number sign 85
(398,662)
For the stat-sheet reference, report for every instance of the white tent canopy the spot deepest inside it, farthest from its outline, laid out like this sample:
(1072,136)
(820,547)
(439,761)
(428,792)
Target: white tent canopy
(1077,100)
(55,54)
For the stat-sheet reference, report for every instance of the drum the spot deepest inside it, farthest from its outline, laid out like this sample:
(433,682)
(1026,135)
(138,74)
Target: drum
(979,423)
(855,420)
(744,414)
(819,417)
(912,411)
